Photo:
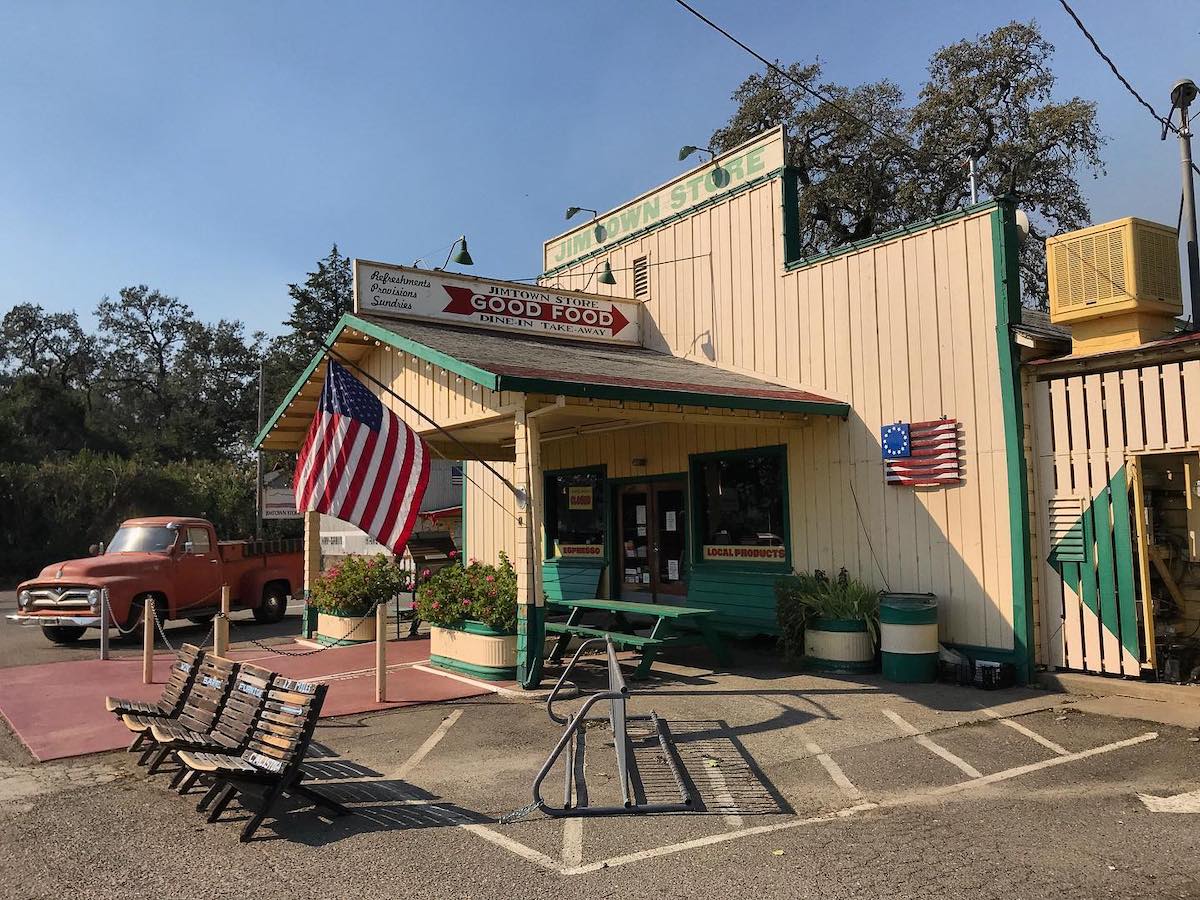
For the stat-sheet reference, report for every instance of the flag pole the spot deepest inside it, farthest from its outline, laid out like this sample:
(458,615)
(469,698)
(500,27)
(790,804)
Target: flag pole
(521,497)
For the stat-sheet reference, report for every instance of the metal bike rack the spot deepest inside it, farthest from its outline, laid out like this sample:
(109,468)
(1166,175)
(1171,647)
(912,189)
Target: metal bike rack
(617,697)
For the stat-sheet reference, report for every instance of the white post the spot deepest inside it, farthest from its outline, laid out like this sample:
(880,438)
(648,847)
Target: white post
(148,640)
(221,631)
(381,653)
(105,618)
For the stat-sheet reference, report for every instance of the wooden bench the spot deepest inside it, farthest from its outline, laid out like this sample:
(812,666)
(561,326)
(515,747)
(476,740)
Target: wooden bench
(664,632)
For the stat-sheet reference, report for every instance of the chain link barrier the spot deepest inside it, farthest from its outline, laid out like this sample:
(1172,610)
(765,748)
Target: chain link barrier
(518,814)
(340,642)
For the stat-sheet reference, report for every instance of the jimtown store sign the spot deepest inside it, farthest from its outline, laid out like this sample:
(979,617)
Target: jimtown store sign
(384,289)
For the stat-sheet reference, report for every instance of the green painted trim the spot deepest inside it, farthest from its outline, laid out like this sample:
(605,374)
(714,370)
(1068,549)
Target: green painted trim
(908,613)
(531,644)
(528,385)
(789,206)
(340,642)
(1123,543)
(472,626)
(910,668)
(840,666)
(348,320)
(697,544)
(914,228)
(661,223)
(821,623)
(485,673)
(1008,312)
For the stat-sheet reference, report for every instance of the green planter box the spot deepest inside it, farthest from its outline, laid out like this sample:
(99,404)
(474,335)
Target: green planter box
(472,648)
(839,645)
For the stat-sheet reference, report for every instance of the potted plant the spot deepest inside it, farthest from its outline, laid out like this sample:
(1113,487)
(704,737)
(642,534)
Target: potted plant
(472,614)
(833,624)
(345,597)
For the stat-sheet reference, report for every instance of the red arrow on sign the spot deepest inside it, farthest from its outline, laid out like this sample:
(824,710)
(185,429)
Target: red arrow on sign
(465,302)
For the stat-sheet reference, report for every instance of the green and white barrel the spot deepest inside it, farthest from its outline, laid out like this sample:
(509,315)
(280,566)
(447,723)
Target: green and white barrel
(908,637)
(839,645)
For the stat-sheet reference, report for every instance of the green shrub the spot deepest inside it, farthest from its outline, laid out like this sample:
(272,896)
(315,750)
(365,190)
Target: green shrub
(803,597)
(356,585)
(477,591)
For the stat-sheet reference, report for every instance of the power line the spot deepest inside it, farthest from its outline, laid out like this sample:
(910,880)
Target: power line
(909,148)
(1166,123)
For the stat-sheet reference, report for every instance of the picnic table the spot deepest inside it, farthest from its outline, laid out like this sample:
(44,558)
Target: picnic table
(664,633)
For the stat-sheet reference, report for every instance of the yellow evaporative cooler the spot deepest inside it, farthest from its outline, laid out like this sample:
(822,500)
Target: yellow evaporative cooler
(1116,285)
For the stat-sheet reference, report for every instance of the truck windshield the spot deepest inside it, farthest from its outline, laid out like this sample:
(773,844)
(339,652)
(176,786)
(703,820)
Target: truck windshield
(142,539)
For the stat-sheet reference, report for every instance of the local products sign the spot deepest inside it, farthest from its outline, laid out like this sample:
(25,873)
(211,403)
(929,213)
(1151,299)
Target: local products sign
(728,172)
(401,291)
(738,553)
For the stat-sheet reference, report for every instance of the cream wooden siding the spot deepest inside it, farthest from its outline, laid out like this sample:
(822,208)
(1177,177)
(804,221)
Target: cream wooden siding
(447,398)
(902,330)
(1086,426)
(490,513)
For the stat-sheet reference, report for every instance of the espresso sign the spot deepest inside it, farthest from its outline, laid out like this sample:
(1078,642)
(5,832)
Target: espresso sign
(386,290)
(738,553)
(580,551)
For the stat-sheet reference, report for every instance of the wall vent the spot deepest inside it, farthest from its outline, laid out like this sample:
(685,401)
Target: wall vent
(641,277)
(1066,529)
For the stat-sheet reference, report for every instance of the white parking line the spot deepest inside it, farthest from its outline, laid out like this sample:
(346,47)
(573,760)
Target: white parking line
(835,771)
(716,780)
(848,811)
(430,742)
(1028,732)
(909,729)
(572,849)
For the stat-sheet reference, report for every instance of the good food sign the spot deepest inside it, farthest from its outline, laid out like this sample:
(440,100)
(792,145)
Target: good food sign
(409,293)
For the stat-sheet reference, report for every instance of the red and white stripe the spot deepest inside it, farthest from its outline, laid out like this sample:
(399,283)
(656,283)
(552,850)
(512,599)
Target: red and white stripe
(372,480)
(935,456)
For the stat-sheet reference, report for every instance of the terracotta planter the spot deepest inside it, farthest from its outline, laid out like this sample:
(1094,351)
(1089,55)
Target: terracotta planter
(344,630)
(839,645)
(473,649)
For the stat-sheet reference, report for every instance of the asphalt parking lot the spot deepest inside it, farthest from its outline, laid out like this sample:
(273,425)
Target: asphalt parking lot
(807,787)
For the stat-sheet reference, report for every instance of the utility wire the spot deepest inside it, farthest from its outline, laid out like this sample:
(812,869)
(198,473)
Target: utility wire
(1166,123)
(909,148)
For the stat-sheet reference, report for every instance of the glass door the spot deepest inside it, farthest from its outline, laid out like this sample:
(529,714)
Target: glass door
(652,540)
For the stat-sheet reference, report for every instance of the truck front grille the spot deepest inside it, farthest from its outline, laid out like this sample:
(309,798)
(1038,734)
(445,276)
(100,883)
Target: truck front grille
(58,598)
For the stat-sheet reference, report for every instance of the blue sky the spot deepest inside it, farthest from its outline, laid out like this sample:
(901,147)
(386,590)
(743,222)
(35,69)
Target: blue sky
(215,150)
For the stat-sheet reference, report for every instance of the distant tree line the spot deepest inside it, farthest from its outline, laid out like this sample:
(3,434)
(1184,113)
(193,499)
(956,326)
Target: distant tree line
(152,412)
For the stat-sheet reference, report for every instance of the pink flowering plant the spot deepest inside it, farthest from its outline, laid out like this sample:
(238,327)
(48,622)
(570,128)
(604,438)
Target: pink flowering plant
(478,591)
(357,584)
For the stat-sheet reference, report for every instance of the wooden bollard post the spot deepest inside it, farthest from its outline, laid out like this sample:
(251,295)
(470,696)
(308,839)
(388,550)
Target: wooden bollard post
(381,653)
(221,632)
(148,640)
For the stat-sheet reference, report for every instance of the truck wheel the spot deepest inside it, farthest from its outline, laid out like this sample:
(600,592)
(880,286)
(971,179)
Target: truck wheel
(63,634)
(272,606)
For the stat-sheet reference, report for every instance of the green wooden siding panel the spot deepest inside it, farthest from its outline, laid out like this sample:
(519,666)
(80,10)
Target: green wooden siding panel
(1123,548)
(744,602)
(1106,581)
(1087,570)
(571,581)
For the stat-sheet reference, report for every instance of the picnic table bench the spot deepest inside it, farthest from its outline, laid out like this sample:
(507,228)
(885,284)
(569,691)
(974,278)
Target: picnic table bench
(664,633)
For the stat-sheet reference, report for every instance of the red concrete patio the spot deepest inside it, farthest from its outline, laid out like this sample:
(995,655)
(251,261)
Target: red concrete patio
(57,709)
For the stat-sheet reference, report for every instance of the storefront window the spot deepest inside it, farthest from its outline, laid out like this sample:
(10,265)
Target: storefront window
(742,514)
(575,515)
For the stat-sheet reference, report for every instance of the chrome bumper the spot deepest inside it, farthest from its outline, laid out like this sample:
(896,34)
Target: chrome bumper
(87,620)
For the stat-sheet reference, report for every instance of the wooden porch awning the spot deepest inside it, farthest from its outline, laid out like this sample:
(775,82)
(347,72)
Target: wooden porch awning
(505,362)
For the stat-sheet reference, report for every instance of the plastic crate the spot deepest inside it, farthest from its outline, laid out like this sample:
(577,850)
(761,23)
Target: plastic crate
(956,673)
(994,676)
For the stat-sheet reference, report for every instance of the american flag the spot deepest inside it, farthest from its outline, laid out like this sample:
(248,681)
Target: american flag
(921,453)
(360,463)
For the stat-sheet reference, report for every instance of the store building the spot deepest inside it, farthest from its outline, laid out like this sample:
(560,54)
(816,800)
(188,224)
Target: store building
(683,409)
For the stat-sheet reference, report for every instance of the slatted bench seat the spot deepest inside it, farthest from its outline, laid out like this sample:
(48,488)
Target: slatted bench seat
(618,638)
(175,691)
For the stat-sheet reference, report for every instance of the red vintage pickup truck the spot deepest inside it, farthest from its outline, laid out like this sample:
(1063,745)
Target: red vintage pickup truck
(175,562)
